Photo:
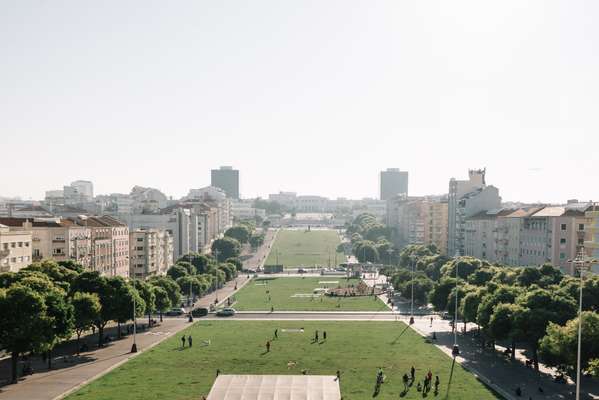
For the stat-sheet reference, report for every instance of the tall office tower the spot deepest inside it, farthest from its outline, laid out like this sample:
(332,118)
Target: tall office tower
(393,182)
(227,179)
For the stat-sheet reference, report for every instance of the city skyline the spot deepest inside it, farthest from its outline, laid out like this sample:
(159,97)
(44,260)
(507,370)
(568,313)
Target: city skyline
(159,95)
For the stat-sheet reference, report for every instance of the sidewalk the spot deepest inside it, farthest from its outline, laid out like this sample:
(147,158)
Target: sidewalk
(496,370)
(67,377)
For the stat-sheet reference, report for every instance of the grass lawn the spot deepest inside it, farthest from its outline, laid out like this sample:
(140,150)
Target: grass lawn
(357,349)
(253,296)
(305,248)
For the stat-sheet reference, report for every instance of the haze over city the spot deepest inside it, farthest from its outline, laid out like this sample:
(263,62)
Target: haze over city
(313,97)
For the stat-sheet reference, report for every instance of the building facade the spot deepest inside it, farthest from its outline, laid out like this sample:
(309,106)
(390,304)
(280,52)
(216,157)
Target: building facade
(227,179)
(465,199)
(592,243)
(150,253)
(15,248)
(393,182)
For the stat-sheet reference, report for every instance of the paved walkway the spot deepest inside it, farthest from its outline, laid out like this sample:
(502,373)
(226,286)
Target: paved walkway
(258,259)
(66,377)
(493,368)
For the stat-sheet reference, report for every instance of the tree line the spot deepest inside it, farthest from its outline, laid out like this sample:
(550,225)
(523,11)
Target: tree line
(531,307)
(49,302)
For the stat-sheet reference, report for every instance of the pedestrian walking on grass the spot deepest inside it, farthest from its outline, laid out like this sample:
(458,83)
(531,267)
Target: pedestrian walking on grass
(316,336)
(437,384)
(268,346)
(412,373)
(276,333)
(405,380)
(431,321)
(183,341)
(324,335)
(189,340)
(338,376)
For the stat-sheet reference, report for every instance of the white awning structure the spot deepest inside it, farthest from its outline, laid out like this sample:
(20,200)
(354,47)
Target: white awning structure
(275,387)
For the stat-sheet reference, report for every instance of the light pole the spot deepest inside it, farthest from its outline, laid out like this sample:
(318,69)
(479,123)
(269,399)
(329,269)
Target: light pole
(134,346)
(412,303)
(216,277)
(582,263)
(456,349)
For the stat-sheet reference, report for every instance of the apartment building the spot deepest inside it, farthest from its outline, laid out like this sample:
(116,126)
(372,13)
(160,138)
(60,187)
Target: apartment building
(592,243)
(15,248)
(150,253)
(532,236)
(435,223)
(54,238)
(243,210)
(110,245)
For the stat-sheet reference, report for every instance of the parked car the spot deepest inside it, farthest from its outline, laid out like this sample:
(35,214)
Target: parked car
(225,312)
(301,271)
(175,312)
(200,312)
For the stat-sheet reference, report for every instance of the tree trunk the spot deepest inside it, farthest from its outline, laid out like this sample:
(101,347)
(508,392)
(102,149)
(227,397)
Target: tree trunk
(160,316)
(49,360)
(535,357)
(118,329)
(464,326)
(513,350)
(14,360)
(78,344)
(100,336)
(149,319)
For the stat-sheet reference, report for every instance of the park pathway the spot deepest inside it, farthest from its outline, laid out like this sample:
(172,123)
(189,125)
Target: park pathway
(491,367)
(66,377)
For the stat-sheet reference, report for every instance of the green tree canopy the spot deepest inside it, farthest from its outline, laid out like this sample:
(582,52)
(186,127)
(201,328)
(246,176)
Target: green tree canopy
(241,233)
(87,309)
(226,247)
(26,329)
(177,271)
(170,286)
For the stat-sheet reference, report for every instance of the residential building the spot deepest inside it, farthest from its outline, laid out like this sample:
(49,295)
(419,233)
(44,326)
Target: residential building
(592,243)
(481,234)
(150,253)
(110,245)
(465,199)
(227,179)
(393,182)
(54,238)
(311,204)
(15,248)
(378,208)
(435,223)
(146,200)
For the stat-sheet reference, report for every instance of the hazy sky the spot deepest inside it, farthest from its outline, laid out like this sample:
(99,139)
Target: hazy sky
(311,96)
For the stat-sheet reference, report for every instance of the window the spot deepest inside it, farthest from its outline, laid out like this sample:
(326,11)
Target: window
(562,256)
(20,244)
(562,241)
(564,227)
(26,244)
(5,245)
(139,248)
(36,252)
(581,242)
(140,239)
(13,244)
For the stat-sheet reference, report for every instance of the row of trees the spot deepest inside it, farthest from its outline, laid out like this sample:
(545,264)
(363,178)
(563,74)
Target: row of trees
(535,307)
(199,273)
(371,240)
(245,232)
(49,302)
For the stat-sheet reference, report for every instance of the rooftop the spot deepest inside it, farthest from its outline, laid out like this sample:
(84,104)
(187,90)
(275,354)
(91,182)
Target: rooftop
(275,387)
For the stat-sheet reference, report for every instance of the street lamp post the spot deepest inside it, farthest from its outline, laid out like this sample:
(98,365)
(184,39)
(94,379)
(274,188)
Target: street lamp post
(582,263)
(456,349)
(134,346)
(412,303)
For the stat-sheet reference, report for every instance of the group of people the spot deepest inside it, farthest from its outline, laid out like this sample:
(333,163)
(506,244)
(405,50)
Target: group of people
(276,336)
(189,340)
(425,386)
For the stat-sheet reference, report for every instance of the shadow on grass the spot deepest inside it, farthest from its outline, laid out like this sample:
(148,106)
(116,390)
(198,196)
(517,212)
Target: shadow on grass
(400,335)
(450,377)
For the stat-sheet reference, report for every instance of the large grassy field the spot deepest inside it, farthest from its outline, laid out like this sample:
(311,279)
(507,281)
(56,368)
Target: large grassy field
(254,297)
(356,349)
(305,248)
